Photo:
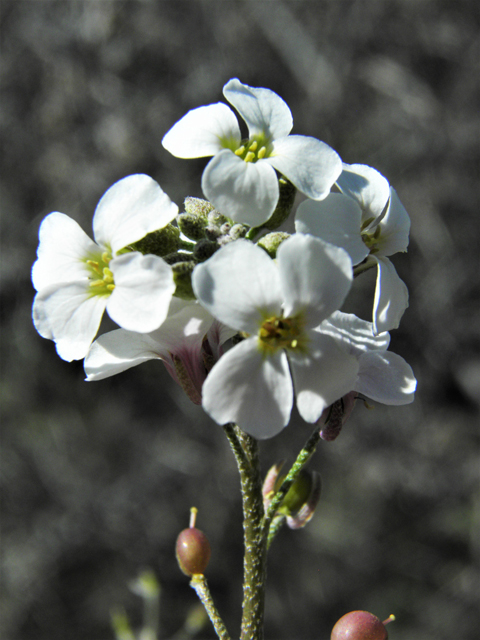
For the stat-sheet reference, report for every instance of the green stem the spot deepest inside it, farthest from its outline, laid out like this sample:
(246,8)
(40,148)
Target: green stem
(255,556)
(199,583)
(302,459)
(275,526)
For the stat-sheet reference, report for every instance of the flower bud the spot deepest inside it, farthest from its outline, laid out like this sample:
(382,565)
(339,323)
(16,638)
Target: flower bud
(204,250)
(192,548)
(301,499)
(191,226)
(160,242)
(360,625)
(272,241)
(198,207)
(335,416)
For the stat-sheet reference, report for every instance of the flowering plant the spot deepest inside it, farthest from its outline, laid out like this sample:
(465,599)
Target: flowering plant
(245,316)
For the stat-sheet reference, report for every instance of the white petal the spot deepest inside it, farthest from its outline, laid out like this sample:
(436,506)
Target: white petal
(353,334)
(239,285)
(367,186)
(391,297)
(68,314)
(395,227)
(311,165)
(337,219)
(315,277)
(203,132)
(322,376)
(254,392)
(130,209)
(119,350)
(143,290)
(386,378)
(262,109)
(244,191)
(63,247)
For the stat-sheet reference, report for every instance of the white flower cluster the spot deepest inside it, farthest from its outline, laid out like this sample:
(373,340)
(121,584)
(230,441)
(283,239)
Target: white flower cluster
(226,272)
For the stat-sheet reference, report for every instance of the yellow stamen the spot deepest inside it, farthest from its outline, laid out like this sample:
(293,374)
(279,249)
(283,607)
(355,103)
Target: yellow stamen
(249,157)
(262,152)
(240,151)
(253,146)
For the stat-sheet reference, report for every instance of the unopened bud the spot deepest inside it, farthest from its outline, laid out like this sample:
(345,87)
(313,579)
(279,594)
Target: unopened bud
(334,417)
(204,250)
(192,226)
(198,207)
(272,241)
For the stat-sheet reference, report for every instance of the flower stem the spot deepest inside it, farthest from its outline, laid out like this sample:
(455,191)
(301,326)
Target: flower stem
(302,459)
(255,542)
(199,583)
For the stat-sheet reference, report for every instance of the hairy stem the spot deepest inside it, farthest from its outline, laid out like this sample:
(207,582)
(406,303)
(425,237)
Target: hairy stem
(255,542)
(199,583)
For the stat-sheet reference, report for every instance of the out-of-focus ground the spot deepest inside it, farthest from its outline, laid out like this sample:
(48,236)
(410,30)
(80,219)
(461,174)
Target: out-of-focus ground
(97,479)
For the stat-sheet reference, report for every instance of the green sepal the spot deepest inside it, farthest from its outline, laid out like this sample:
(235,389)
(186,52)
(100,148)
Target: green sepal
(182,276)
(159,242)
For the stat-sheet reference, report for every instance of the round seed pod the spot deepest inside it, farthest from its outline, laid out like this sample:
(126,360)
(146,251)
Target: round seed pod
(360,625)
(192,549)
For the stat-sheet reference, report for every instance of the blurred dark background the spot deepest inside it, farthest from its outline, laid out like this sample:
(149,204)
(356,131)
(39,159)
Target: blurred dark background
(97,479)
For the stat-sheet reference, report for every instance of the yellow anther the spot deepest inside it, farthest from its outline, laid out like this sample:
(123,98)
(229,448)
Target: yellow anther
(107,273)
(253,146)
(262,152)
(294,344)
(250,157)
(94,265)
(110,287)
(106,257)
(240,151)
(97,283)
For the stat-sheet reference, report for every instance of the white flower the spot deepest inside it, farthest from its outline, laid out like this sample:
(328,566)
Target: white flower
(240,180)
(368,220)
(382,376)
(76,278)
(277,306)
(188,342)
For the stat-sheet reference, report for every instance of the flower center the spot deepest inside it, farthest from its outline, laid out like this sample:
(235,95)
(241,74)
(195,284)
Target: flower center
(372,237)
(101,277)
(253,149)
(282,333)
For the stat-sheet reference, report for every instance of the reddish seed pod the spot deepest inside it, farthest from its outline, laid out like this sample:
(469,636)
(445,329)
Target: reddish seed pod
(360,625)
(192,549)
